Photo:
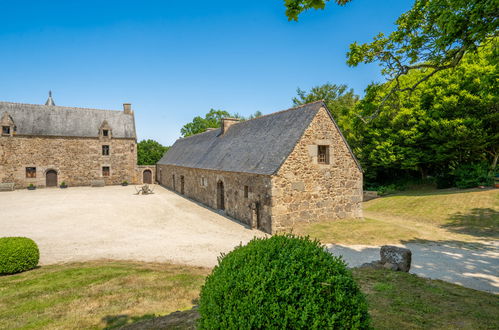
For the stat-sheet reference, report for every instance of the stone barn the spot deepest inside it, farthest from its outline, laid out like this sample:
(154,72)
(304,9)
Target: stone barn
(270,172)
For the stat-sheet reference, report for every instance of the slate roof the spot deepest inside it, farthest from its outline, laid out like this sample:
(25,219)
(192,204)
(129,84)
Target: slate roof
(258,146)
(33,119)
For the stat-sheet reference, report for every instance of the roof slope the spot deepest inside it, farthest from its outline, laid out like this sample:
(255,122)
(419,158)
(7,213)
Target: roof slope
(33,119)
(257,146)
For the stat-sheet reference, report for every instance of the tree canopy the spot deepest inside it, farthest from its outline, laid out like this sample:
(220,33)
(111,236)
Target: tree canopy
(149,152)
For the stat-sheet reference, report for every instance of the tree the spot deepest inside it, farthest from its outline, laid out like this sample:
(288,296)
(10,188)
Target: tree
(339,99)
(149,152)
(199,125)
(211,120)
(434,35)
(450,120)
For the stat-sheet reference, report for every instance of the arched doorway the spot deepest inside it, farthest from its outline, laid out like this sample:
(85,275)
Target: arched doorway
(51,178)
(182,184)
(220,196)
(147,177)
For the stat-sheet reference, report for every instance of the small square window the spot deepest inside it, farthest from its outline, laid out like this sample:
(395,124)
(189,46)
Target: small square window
(105,132)
(246,191)
(323,154)
(6,130)
(105,171)
(204,182)
(105,150)
(31,172)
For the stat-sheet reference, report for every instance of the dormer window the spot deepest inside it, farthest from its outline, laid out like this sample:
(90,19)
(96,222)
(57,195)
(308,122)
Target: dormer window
(5,130)
(105,132)
(8,125)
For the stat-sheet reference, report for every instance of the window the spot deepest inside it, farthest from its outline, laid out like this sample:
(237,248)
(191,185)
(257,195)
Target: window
(246,191)
(105,132)
(323,154)
(6,130)
(31,172)
(105,150)
(204,182)
(105,171)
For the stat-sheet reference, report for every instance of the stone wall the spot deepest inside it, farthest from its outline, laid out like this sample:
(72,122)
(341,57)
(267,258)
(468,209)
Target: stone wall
(303,190)
(77,161)
(140,173)
(253,210)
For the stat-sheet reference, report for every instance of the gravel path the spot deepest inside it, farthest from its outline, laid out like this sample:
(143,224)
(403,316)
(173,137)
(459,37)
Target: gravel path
(474,265)
(84,223)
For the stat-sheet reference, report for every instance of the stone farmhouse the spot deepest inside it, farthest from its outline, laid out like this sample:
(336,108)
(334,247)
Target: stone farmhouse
(46,145)
(269,172)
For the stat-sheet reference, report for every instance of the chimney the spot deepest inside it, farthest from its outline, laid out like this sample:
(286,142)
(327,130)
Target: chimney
(127,108)
(228,122)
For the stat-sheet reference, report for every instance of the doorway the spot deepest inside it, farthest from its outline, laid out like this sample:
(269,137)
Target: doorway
(51,178)
(147,177)
(220,196)
(182,184)
(173,181)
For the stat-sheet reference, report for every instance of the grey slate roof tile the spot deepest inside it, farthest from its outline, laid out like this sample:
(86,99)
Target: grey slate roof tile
(33,119)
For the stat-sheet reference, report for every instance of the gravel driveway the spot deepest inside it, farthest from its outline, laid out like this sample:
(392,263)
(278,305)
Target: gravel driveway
(473,265)
(84,223)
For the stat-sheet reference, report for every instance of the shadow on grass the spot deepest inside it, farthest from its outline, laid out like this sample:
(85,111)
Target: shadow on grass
(479,222)
(432,191)
(473,265)
(176,320)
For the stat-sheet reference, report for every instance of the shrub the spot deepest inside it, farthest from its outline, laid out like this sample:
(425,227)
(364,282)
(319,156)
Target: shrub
(473,175)
(444,181)
(281,282)
(17,254)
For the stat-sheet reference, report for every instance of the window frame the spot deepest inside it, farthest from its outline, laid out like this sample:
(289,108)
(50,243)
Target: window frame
(6,130)
(105,132)
(108,171)
(106,150)
(323,154)
(30,172)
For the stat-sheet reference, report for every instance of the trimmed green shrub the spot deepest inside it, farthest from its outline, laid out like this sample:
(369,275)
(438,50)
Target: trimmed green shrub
(17,254)
(281,282)
(473,175)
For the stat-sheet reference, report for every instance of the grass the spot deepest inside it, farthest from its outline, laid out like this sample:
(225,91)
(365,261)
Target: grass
(418,215)
(96,295)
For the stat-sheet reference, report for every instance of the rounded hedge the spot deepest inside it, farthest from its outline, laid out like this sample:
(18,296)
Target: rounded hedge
(17,254)
(281,282)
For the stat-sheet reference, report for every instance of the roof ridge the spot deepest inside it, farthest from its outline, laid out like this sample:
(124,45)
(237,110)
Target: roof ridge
(58,106)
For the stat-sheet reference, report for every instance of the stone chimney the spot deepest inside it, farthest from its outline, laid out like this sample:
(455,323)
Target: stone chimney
(228,122)
(127,108)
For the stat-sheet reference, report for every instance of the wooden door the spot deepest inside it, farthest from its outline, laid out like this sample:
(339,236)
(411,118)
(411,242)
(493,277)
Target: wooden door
(220,196)
(51,178)
(182,184)
(147,177)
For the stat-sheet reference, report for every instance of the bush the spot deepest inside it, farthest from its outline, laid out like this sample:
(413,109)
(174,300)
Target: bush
(473,175)
(444,181)
(17,254)
(281,282)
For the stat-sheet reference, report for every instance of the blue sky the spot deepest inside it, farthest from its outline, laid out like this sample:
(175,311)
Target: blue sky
(174,60)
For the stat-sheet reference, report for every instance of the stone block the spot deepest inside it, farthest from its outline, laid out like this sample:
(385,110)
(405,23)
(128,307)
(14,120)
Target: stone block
(8,186)
(98,183)
(299,185)
(401,257)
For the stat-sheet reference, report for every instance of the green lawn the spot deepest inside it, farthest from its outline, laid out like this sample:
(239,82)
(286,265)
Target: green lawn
(434,215)
(103,294)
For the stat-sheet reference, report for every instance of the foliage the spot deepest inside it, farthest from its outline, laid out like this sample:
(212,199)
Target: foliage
(452,119)
(17,254)
(434,35)
(149,152)
(281,282)
(473,175)
(339,99)
(212,119)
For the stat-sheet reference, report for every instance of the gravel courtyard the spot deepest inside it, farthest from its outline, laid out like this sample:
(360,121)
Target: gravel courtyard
(84,223)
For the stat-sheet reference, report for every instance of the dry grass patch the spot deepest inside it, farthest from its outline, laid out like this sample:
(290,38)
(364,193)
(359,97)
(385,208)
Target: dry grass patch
(419,215)
(96,294)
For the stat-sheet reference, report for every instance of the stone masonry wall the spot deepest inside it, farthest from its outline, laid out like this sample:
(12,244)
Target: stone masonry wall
(244,209)
(305,191)
(77,161)
(140,173)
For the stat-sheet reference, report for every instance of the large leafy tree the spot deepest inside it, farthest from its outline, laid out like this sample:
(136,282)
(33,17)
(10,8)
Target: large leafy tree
(340,101)
(451,119)
(432,36)
(149,152)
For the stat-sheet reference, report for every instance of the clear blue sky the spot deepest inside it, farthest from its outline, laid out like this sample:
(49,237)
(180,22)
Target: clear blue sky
(174,60)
